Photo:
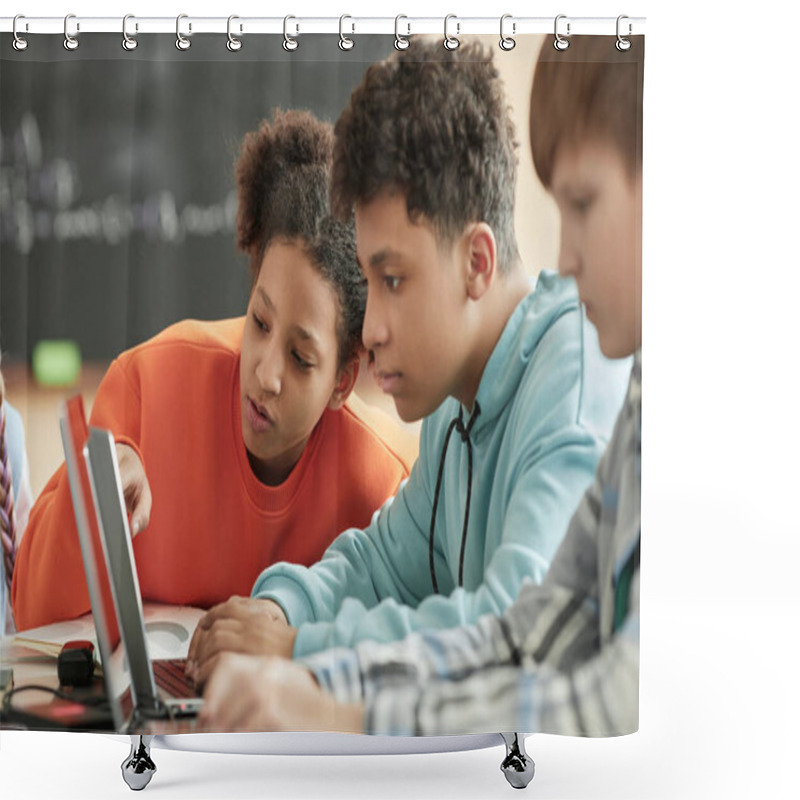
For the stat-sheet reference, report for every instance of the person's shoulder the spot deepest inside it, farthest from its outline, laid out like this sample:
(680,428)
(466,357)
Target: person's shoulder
(551,345)
(567,378)
(547,321)
(550,335)
(190,336)
(377,430)
(552,296)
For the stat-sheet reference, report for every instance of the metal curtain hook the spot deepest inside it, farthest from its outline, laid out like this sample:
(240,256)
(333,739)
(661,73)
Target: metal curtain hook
(344,42)
(561,43)
(506,42)
(70,42)
(182,43)
(128,42)
(289,42)
(401,42)
(451,42)
(19,43)
(622,43)
(233,44)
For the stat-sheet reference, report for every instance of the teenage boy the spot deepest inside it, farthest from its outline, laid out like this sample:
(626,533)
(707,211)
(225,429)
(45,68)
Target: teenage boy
(517,400)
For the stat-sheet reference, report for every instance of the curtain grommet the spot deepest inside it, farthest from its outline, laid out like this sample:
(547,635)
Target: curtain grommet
(623,44)
(345,43)
(290,43)
(507,43)
(19,44)
(451,42)
(401,42)
(560,42)
(70,42)
(128,42)
(234,44)
(181,42)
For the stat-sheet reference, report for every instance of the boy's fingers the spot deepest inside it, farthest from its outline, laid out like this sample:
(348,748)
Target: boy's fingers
(219,611)
(234,610)
(205,672)
(200,632)
(212,701)
(227,635)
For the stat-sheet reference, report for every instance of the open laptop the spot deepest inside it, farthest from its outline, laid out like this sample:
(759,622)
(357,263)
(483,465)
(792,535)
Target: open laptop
(157,689)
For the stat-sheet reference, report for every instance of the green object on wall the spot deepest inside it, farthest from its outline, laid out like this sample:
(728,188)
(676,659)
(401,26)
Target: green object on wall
(56,362)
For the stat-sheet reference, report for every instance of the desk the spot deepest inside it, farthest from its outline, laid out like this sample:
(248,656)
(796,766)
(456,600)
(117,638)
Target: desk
(32,656)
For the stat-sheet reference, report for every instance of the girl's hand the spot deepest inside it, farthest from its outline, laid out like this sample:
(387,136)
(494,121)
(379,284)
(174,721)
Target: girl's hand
(135,488)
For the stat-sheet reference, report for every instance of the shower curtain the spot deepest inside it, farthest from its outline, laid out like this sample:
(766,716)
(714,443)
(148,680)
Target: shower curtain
(118,219)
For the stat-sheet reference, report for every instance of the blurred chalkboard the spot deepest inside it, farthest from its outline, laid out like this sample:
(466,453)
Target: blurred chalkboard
(117,204)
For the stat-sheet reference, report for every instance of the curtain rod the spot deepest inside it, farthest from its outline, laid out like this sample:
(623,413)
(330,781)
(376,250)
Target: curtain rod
(349,25)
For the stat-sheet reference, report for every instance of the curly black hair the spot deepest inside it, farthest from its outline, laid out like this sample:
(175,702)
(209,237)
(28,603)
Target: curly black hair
(282,175)
(434,125)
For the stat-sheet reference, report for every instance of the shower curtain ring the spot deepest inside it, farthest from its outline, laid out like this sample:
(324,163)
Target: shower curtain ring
(233,44)
(128,42)
(19,43)
(70,42)
(622,43)
(289,42)
(344,42)
(182,43)
(507,42)
(561,43)
(451,42)
(401,42)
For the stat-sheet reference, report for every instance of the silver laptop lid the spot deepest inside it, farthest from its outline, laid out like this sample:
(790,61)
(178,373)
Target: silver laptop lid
(72,419)
(101,460)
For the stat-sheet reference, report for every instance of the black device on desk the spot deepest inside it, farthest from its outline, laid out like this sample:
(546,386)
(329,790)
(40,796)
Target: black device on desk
(75,664)
(83,708)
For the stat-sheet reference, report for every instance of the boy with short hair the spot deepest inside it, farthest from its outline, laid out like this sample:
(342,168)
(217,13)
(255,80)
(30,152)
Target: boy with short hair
(518,401)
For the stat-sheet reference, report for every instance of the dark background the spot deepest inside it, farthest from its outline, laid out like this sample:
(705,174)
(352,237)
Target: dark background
(117,204)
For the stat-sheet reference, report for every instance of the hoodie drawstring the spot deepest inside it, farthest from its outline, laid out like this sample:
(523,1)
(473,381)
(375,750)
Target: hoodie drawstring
(457,424)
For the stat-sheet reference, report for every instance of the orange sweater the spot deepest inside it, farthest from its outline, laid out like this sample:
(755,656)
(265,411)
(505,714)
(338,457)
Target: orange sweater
(213,525)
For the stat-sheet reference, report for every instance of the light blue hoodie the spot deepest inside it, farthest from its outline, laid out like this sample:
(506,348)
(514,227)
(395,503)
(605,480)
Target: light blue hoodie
(548,400)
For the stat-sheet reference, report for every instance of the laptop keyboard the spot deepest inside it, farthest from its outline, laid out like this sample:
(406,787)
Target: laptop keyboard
(170,675)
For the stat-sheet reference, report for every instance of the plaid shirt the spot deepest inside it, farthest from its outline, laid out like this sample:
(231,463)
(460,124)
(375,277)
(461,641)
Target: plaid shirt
(564,658)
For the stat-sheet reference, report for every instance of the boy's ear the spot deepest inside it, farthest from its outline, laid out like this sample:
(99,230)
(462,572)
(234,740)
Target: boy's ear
(344,384)
(482,259)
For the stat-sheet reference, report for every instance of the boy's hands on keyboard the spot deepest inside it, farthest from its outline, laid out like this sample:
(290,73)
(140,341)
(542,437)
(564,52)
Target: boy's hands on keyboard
(241,625)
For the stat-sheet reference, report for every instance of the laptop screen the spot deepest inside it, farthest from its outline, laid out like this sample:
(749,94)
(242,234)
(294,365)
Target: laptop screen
(74,434)
(112,519)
